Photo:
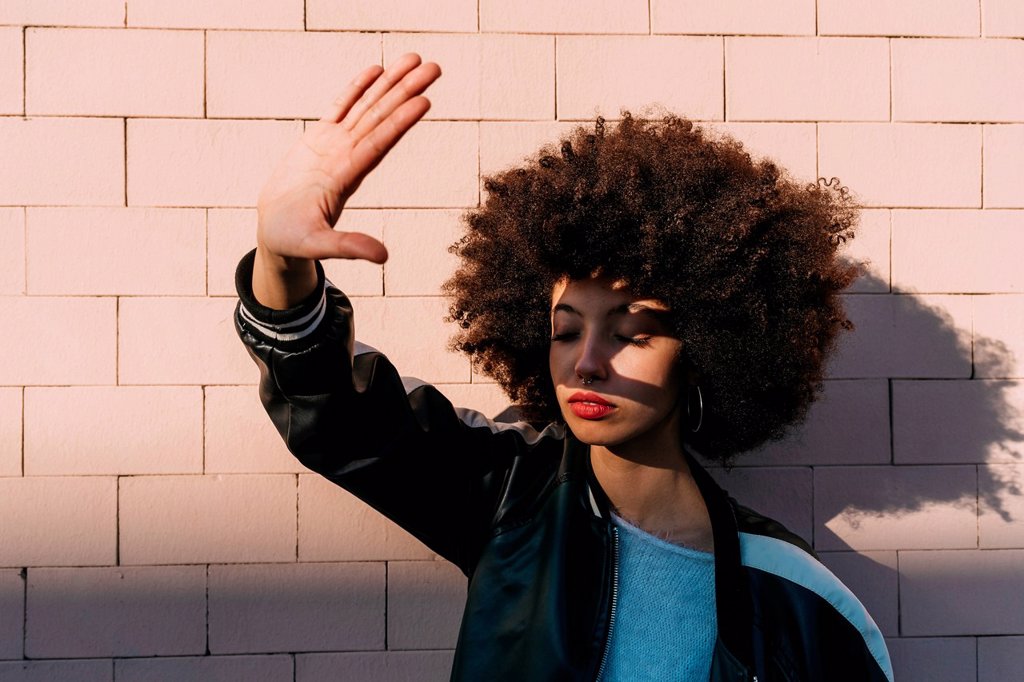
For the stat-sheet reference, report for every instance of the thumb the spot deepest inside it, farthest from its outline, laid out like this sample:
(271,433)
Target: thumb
(350,245)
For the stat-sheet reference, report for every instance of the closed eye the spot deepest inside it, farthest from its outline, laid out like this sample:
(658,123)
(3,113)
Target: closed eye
(636,340)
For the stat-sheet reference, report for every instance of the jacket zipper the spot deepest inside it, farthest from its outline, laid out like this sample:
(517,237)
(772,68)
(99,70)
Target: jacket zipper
(615,602)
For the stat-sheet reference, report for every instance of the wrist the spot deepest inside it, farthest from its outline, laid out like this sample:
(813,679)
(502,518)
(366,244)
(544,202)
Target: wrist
(281,283)
(283,266)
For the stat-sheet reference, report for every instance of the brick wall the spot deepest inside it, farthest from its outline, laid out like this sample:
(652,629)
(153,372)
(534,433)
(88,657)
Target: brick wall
(152,524)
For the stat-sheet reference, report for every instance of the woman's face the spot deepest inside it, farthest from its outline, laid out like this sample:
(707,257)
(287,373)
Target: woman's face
(617,342)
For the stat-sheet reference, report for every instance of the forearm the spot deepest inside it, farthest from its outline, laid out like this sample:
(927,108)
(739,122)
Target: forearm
(281,283)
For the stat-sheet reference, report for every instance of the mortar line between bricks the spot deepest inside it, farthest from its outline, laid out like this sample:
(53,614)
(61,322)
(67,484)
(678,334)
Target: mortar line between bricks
(206,39)
(554,81)
(24,70)
(889,288)
(725,115)
(22,472)
(206,252)
(387,564)
(296,518)
(207,623)
(814,524)
(817,153)
(890,80)
(202,436)
(977,504)
(24,610)
(899,604)
(479,168)
(24,243)
(117,520)
(892,425)
(124,158)
(974,300)
(117,340)
(982,166)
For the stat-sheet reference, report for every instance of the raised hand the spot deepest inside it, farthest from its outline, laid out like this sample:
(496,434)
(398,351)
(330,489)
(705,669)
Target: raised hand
(304,197)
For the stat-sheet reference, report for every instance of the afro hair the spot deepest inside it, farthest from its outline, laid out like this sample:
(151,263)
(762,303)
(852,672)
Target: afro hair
(744,256)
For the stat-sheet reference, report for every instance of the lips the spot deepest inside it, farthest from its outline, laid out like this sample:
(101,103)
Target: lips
(586,405)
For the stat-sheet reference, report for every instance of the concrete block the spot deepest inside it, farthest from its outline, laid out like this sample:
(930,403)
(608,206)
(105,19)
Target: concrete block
(206,519)
(961,593)
(12,255)
(97,430)
(296,607)
(807,79)
(157,343)
(598,75)
(62,161)
(956,80)
(113,72)
(116,611)
(888,508)
(385,666)
(180,162)
(915,165)
(58,521)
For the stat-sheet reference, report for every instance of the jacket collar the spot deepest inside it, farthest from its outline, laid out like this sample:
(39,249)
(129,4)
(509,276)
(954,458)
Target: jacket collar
(732,594)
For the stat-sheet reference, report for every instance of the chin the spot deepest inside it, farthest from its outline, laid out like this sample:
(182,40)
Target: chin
(592,433)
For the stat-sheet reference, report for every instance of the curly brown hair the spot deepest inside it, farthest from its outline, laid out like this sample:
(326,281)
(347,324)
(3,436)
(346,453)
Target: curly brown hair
(744,256)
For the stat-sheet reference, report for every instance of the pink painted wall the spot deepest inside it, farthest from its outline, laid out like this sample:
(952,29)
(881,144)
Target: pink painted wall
(153,524)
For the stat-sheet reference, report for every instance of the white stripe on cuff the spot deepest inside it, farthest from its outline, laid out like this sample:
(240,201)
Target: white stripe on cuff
(275,332)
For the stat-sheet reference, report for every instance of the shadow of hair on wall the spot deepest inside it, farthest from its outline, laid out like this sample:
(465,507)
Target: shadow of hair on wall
(916,414)
(907,471)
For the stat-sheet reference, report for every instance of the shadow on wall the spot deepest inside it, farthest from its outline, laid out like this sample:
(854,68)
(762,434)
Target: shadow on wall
(912,460)
(911,391)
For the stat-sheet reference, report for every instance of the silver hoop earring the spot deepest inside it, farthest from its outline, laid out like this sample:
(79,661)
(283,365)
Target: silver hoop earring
(700,408)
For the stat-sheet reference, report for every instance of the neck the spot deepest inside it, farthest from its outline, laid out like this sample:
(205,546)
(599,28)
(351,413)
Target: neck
(653,488)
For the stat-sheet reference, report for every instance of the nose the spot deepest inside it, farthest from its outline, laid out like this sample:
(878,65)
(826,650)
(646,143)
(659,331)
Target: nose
(592,361)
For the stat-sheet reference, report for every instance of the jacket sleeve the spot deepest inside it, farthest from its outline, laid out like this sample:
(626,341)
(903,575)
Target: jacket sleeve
(344,412)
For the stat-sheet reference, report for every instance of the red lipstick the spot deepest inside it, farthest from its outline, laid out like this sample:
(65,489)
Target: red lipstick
(586,405)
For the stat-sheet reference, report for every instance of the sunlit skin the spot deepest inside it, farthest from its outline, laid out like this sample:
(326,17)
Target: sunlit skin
(630,412)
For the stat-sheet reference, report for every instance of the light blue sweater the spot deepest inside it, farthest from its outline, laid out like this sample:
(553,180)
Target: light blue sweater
(665,625)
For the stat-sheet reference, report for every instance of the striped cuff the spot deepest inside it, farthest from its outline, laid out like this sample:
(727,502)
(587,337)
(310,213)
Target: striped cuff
(292,324)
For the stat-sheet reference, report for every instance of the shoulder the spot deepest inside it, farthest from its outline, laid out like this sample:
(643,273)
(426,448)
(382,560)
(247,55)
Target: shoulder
(795,594)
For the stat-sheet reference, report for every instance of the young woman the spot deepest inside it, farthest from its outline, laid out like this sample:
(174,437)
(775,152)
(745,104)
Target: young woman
(639,293)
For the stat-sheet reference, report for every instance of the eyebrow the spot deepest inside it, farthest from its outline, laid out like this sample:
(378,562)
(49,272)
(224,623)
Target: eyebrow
(624,309)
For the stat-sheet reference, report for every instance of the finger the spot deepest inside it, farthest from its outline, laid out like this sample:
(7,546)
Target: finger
(351,94)
(414,83)
(353,245)
(394,73)
(372,148)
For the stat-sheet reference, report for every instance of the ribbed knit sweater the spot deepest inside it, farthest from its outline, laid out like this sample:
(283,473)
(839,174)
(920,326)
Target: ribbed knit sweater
(665,622)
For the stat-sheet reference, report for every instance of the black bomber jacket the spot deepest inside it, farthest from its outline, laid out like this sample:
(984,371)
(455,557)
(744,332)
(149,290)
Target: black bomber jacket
(520,512)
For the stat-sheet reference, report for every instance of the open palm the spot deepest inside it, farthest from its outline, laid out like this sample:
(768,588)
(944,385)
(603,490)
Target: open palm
(304,197)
